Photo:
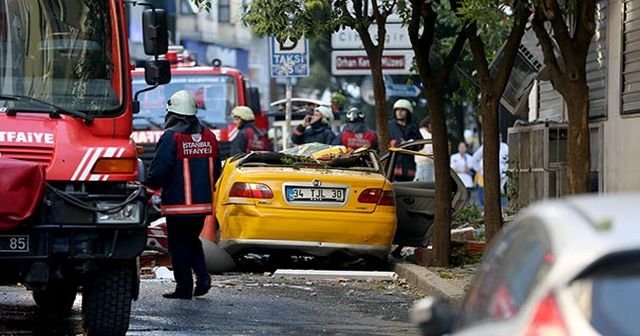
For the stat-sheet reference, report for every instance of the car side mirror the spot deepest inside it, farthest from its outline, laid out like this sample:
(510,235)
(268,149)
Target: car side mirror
(155,32)
(434,316)
(157,72)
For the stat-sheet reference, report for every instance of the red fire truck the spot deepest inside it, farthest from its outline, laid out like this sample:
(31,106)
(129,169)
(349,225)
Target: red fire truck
(217,90)
(72,208)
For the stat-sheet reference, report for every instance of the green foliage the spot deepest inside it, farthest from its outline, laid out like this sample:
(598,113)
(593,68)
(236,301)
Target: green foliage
(471,214)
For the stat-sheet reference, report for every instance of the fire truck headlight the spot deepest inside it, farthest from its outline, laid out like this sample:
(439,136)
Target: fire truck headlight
(129,214)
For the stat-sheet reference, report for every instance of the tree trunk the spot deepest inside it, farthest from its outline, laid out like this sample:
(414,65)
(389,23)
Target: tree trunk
(380,96)
(382,119)
(441,225)
(491,165)
(578,144)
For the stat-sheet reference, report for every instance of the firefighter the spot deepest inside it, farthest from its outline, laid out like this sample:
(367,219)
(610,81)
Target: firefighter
(249,138)
(186,165)
(315,128)
(356,133)
(401,129)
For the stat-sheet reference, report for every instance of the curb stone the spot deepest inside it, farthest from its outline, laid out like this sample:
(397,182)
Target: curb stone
(429,282)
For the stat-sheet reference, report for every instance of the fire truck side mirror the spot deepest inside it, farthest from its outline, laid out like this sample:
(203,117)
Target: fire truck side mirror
(157,72)
(155,32)
(254,99)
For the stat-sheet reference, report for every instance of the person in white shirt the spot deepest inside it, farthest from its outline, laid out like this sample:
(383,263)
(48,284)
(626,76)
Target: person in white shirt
(478,167)
(424,164)
(462,163)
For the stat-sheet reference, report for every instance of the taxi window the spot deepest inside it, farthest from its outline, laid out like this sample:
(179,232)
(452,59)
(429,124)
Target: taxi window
(607,294)
(515,264)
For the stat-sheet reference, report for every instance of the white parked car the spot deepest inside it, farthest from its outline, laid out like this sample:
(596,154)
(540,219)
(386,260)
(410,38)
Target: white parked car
(568,267)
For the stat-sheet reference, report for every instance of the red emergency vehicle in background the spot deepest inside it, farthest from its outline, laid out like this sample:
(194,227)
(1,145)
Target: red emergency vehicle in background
(217,91)
(72,208)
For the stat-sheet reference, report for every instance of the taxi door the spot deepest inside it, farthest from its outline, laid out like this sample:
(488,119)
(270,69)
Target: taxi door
(415,200)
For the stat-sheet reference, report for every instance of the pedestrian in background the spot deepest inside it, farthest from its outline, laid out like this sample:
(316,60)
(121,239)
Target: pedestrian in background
(356,133)
(315,128)
(401,129)
(462,163)
(249,137)
(478,166)
(186,165)
(424,164)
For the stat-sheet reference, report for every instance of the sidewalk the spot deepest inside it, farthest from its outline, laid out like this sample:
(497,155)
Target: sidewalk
(439,282)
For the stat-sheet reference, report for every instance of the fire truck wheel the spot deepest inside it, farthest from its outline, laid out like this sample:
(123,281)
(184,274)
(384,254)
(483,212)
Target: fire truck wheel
(106,300)
(56,299)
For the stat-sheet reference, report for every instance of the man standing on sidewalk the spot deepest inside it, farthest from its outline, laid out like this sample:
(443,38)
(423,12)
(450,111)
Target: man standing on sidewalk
(186,165)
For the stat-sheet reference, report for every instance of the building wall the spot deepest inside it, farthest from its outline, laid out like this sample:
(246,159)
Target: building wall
(621,132)
(615,134)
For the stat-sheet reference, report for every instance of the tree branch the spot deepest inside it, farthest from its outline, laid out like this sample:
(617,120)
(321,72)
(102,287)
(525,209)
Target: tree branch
(550,60)
(560,31)
(389,10)
(451,59)
(346,15)
(511,48)
(479,54)
(585,23)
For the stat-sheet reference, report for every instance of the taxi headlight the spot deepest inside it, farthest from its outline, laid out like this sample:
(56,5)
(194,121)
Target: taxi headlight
(128,214)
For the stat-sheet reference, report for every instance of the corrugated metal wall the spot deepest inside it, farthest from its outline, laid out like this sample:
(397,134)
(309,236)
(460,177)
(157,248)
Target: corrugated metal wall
(597,64)
(550,103)
(631,57)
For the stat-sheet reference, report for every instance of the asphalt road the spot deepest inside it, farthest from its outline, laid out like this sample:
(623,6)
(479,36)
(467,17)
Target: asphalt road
(242,304)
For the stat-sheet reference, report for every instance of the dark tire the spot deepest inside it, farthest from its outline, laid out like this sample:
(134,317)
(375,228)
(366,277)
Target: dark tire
(55,300)
(106,300)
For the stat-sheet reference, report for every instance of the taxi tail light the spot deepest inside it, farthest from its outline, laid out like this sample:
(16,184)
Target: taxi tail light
(250,190)
(114,166)
(387,198)
(377,196)
(547,319)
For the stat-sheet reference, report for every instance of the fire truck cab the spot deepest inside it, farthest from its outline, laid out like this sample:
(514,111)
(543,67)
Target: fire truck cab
(217,91)
(72,205)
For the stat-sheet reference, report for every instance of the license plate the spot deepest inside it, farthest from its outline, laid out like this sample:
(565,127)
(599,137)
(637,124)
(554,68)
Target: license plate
(14,243)
(307,194)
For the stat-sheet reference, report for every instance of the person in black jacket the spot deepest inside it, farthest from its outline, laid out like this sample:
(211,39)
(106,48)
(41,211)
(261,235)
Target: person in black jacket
(401,129)
(186,165)
(315,128)
(249,137)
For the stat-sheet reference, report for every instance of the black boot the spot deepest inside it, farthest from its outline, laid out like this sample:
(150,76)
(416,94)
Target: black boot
(202,287)
(178,294)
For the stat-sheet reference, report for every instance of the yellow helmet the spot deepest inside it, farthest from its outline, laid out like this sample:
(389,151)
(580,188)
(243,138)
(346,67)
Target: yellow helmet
(243,112)
(403,104)
(182,103)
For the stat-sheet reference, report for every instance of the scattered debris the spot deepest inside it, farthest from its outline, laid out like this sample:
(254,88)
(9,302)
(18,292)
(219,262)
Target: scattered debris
(164,273)
(332,275)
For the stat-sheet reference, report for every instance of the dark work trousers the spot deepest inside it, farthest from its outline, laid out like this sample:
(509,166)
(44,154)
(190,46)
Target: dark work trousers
(186,252)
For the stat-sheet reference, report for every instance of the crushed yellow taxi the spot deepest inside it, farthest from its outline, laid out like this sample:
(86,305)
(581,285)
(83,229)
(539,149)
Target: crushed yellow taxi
(321,202)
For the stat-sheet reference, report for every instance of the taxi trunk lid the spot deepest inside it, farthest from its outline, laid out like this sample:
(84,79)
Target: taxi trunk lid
(317,189)
(345,186)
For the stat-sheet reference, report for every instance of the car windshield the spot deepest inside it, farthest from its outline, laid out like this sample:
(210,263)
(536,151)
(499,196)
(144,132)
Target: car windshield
(608,295)
(59,52)
(215,97)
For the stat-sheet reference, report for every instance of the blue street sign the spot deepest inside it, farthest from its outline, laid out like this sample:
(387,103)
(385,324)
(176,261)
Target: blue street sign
(402,90)
(289,59)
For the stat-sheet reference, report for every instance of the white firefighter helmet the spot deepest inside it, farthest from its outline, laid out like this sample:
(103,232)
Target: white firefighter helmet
(403,104)
(327,115)
(354,114)
(243,112)
(182,103)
